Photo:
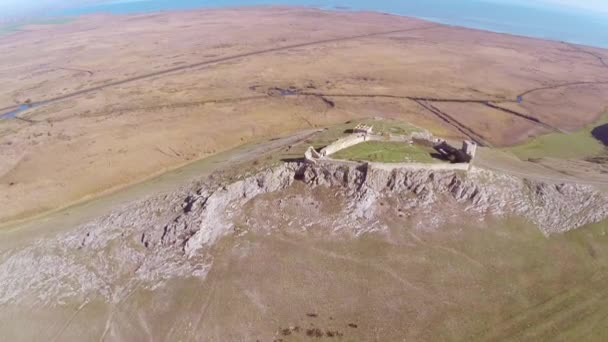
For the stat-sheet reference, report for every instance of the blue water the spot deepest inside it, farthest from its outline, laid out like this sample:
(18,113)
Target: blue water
(533,21)
(22,108)
(13,114)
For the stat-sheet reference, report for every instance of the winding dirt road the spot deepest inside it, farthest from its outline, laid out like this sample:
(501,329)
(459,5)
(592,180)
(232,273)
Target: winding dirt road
(219,60)
(82,210)
(425,102)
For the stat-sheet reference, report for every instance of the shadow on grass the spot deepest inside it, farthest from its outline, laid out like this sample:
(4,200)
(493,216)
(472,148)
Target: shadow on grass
(601,133)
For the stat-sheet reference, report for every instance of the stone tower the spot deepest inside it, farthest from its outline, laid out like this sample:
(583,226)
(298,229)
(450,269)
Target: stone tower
(470,148)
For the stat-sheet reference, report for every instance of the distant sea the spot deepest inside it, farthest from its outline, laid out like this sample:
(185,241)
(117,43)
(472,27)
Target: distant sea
(533,21)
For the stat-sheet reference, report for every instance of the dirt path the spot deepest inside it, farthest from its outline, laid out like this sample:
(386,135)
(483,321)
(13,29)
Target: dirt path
(222,59)
(467,131)
(499,162)
(427,104)
(424,102)
(81,211)
(78,70)
(490,102)
(163,106)
(579,49)
(84,210)
(521,115)
(562,85)
(576,49)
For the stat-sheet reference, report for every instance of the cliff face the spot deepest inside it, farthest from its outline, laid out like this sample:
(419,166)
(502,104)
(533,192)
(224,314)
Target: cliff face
(554,208)
(148,242)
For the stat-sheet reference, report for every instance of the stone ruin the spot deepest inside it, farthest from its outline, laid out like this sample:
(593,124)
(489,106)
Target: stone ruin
(312,155)
(364,129)
(455,155)
(470,148)
(362,133)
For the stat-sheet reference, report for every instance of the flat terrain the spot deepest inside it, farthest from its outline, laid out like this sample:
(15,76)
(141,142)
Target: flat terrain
(387,152)
(579,144)
(131,97)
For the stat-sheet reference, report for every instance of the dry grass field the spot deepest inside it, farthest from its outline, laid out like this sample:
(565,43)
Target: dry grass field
(494,280)
(133,96)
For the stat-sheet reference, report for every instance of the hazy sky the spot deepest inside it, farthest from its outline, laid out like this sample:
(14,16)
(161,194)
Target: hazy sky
(589,5)
(601,5)
(19,7)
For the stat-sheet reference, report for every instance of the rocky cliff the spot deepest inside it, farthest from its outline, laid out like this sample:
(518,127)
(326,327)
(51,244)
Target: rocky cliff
(148,242)
(554,208)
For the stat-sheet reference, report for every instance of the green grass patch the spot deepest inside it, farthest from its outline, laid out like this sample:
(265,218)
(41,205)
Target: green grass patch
(333,133)
(388,126)
(387,152)
(577,145)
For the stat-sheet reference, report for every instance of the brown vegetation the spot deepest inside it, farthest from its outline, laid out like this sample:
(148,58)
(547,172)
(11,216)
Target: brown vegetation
(137,95)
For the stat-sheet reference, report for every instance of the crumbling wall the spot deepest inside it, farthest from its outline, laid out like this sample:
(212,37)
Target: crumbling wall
(421,166)
(470,148)
(343,143)
(461,157)
(311,154)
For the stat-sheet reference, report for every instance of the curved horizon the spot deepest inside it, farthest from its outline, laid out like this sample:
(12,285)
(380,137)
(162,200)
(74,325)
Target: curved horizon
(558,20)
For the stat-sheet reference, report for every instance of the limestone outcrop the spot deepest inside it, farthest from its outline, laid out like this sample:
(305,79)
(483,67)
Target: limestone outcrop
(169,235)
(554,208)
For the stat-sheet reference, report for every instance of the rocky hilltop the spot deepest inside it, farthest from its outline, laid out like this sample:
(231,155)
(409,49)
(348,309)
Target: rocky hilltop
(207,214)
(148,242)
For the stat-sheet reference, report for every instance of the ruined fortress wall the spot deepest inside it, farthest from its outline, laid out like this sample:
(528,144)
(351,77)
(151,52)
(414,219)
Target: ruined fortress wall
(355,139)
(343,143)
(420,166)
(390,138)
(401,166)
(329,161)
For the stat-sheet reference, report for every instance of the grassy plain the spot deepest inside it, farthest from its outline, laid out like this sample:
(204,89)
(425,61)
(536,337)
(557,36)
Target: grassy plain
(577,145)
(467,280)
(182,86)
(387,127)
(387,152)
(13,28)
